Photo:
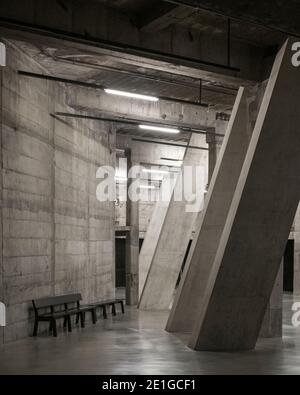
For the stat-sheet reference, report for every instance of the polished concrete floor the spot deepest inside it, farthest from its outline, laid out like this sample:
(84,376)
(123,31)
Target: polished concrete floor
(137,344)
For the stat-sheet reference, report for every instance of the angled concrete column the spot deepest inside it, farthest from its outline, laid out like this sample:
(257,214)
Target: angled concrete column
(297,253)
(213,154)
(214,141)
(176,232)
(272,323)
(2,293)
(259,220)
(190,293)
(152,238)
(132,244)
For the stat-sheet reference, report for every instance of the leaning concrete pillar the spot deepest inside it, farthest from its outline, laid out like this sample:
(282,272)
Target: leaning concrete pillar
(132,244)
(152,236)
(212,154)
(259,220)
(2,296)
(297,253)
(272,323)
(214,141)
(191,290)
(176,232)
(195,275)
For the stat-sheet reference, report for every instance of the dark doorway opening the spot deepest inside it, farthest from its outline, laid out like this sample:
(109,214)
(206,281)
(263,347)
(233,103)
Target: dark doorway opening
(288,268)
(121,261)
(184,262)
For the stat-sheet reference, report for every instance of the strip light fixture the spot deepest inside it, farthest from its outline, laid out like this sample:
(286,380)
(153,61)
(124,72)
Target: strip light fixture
(159,129)
(155,171)
(147,187)
(131,95)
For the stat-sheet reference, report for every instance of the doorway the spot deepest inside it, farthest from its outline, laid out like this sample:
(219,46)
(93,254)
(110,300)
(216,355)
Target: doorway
(288,268)
(120,261)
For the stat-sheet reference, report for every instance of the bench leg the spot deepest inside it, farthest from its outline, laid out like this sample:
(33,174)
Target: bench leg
(36,326)
(65,322)
(122,307)
(104,312)
(54,327)
(94,316)
(82,319)
(113,309)
(50,327)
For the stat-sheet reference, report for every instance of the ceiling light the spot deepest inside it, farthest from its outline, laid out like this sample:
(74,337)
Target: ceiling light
(147,187)
(131,95)
(159,129)
(121,179)
(155,171)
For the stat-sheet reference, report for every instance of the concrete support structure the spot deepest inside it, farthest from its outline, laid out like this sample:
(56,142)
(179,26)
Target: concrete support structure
(272,323)
(213,220)
(259,221)
(165,112)
(152,239)
(214,142)
(190,293)
(2,296)
(212,156)
(132,243)
(176,232)
(96,22)
(296,234)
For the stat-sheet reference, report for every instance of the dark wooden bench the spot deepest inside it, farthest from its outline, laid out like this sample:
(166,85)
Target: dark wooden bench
(57,307)
(110,303)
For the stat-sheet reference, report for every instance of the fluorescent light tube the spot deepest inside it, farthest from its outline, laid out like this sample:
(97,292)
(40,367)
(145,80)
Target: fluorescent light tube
(154,171)
(131,95)
(159,129)
(121,179)
(147,187)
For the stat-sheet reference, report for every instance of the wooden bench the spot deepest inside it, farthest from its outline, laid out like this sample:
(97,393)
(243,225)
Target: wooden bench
(57,307)
(112,303)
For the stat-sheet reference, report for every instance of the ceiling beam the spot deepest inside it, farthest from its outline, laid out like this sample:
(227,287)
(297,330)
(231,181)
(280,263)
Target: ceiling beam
(162,16)
(281,16)
(101,87)
(132,122)
(164,112)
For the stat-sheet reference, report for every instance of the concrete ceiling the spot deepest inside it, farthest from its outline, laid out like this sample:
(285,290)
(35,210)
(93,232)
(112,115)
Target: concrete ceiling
(278,15)
(158,14)
(124,71)
(72,62)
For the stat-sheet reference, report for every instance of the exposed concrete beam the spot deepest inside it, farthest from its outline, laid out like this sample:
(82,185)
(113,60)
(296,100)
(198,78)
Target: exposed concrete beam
(176,65)
(163,16)
(165,112)
(277,15)
(95,86)
(95,26)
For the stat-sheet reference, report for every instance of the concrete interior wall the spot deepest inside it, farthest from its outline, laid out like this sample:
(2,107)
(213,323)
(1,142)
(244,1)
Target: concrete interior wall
(57,238)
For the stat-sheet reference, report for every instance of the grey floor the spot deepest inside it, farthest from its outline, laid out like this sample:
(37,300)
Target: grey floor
(137,344)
